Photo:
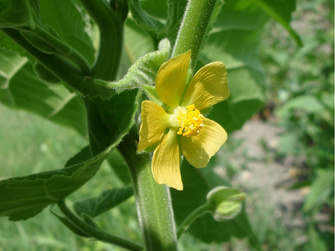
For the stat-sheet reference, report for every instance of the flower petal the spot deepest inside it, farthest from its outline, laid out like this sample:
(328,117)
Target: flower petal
(165,164)
(199,149)
(154,123)
(208,87)
(171,79)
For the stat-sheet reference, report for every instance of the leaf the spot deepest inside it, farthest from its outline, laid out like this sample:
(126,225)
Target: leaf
(240,15)
(306,103)
(234,40)
(137,41)
(143,71)
(170,11)
(44,74)
(64,18)
(119,166)
(245,76)
(197,183)
(316,240)
(322,190)
(150,24)
(16,13)
(108,120)
(281,10)
(24,197)
(22,89)
(155,8)
(175,11)
(8,44)
(106,201)
(82,156)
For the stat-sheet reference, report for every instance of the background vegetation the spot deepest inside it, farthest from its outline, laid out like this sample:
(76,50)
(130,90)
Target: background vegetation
(300,99)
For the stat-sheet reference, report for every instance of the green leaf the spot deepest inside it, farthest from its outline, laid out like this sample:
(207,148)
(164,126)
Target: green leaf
(24,197)
(8,44)
(44,74)
(106,201)
(239,15)
(16,13)
(175,12)
(22,89)
(245,85)
(109,120)
(155,8)
(65,18)
(148,23)
(281,10)
(322,190)
(306,103)
(197,183)
(137,41)
(119,166)
(82,156)
(144,71)
(316,240)
(235,44)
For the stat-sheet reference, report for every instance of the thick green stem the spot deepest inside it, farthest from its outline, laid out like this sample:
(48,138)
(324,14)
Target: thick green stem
(193,28)
(110,23)
(194,215)
(97,233)
(153,201)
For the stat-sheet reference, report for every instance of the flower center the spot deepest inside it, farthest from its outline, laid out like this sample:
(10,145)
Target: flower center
(190,121)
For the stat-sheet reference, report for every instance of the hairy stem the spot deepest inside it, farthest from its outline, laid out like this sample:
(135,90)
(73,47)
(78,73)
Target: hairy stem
(193,28)
(153,201)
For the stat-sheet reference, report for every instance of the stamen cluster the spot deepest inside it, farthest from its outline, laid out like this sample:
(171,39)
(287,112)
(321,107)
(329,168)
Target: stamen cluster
(190,121)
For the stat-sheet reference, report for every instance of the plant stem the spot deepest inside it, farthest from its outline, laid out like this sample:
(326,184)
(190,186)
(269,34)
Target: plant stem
(153,201)
(193,28)
(194,215)
(97,233)
(110,23)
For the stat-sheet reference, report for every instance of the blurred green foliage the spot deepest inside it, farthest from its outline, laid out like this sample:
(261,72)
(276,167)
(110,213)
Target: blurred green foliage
(302,91)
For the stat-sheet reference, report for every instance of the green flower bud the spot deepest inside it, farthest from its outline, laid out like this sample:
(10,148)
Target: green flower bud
(226,202)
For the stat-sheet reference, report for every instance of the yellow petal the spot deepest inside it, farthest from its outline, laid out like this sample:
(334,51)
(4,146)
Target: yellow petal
(208,86)
(165,164)
(154,123)
(199,149)
(171,79)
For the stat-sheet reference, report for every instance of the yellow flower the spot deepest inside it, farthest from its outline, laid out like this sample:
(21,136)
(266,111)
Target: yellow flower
(200,138)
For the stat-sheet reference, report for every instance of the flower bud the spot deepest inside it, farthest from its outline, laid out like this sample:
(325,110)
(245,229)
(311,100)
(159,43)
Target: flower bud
(226,202)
